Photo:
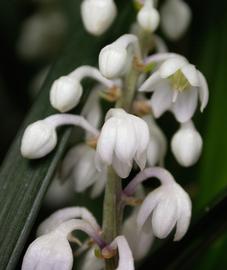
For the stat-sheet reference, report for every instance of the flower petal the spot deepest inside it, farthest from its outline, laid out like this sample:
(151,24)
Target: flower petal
(148,85)
(203,91)
(185,105)
(148,206)
(126,261)
(191,74)
(164,218)
(106,141)
(125,146)
(162,99)
(122,169)
(170,66)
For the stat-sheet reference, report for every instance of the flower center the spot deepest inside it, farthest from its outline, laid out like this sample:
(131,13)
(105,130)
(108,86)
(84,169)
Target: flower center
(178,81)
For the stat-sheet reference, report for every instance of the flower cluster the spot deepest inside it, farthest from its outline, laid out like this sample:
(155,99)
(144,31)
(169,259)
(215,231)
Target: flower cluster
(139,85)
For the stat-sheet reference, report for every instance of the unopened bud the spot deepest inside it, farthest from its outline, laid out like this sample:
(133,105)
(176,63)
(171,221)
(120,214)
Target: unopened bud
(186,145)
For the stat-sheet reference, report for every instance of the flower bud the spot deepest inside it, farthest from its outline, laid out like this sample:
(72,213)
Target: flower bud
(113,61)
(175,18)
(148,18)
(186,145)
(98,15)
(38,140)
(65,93)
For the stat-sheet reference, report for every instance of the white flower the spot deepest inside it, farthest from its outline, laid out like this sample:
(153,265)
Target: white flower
(91,262)
(175,18)
(60,216)
(124,138)
(140,241)
(98,15)
(186,144)
(167,206)
(50,251)
(148,17)
(115,58)
(79,165)
(40,137)
(176,86)
(38,140)
(124,252)
(66,91)
(157,147)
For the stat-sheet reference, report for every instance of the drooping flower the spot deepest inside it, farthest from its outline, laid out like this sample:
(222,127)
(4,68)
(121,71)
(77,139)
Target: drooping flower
(175,18)
(53,251)
(176,86)
(98,15)
(123,138)
(79,165)
(167,206)
(186,144)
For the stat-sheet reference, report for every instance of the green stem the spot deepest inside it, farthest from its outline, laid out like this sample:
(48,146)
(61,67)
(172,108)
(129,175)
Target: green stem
(111,212)
(128,92)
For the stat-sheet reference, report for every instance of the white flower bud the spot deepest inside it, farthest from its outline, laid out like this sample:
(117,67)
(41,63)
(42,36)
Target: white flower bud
(98,15)
(38,140)
(115,58)
(65,93)
(187,144)
(175,18)
(112,61)
(50,251)
(124,138)
(148,17)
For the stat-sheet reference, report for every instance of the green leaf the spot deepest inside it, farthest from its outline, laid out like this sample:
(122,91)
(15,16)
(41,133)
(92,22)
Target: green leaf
(23,183)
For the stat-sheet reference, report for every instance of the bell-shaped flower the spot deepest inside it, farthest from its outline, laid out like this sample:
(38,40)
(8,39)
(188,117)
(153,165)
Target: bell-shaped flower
(166,207)
(79,165)
(53,251)
(66,91)
(40,137)
(176,85)
(114,59)
(175,18)
(123,138)
(140,241)
(186,144)
(125,260)
(50,251)
(157,147)
(98,15)
(148,17)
